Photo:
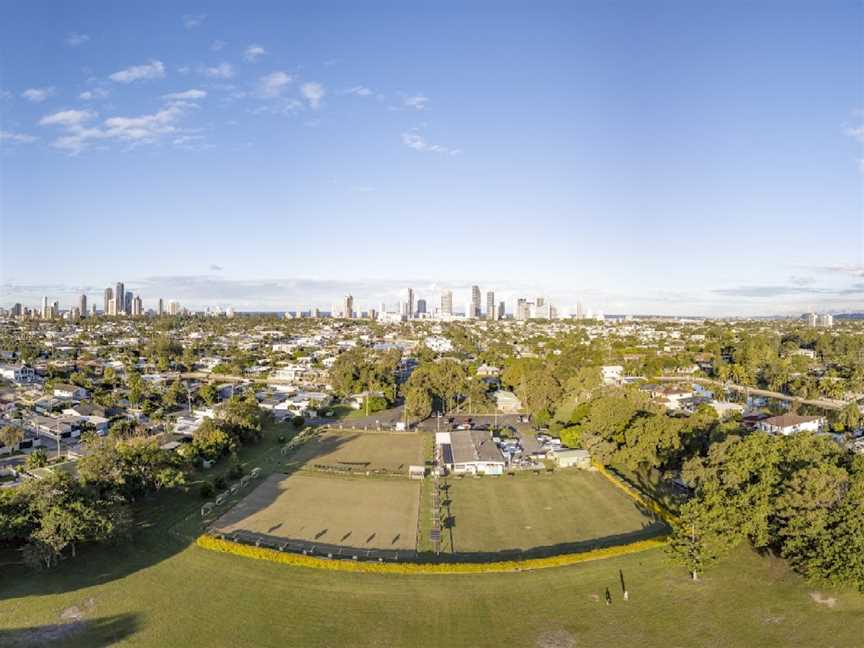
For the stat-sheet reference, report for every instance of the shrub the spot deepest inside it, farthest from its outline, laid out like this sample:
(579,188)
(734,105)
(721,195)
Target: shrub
(298,422)
(236,469)
(300,560)
(206,490)
(219,483)
(280,439)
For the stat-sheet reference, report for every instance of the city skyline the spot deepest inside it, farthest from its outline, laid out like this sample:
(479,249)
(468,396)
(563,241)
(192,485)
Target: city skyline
(289,160)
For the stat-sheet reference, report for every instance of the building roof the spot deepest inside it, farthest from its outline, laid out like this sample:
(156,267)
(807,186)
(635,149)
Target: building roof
(790,420)
(469,446)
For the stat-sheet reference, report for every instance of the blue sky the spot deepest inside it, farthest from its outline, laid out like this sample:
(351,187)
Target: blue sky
(639,157)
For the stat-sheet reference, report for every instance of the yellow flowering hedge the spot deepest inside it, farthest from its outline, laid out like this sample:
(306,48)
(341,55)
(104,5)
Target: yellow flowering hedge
(212,543)
(631,492)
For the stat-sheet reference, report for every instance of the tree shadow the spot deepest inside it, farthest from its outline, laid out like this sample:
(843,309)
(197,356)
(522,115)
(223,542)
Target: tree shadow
(103,631)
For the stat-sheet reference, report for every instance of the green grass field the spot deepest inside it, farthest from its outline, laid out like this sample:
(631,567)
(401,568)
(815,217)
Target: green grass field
(359,452)
(527,511)
(328,509)
(160,590)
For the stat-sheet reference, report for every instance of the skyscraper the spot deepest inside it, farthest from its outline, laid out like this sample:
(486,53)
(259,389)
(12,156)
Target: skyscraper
(109,295)
(348,307)
(523,309)
(160,308)
(46,313)
(501,310)
(82,305)
(127,302)
(119,298)
(421,306)
(490,305)
(475,302)
(409,306)
(137,307)
(447,302)
(540,302)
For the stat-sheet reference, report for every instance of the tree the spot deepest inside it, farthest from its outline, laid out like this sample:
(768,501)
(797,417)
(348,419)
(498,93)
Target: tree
(700,536)
(210,440)
(37,459)
(208,393)
(242,418)
(847,419)
(10,435)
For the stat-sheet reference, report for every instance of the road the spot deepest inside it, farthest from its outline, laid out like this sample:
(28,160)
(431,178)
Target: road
(823,403)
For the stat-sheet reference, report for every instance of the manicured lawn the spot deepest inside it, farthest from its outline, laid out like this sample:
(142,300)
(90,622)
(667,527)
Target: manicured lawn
(360,452)
(193,597)
(527,511)
(354,512)
(159,591)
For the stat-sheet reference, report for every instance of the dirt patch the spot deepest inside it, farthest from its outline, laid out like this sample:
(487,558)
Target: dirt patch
(556,639)
(830,601)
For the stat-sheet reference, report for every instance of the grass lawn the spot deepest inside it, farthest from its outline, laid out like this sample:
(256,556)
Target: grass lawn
(524,511)
(159,590)
(360,452)
(198,598)
(326,509)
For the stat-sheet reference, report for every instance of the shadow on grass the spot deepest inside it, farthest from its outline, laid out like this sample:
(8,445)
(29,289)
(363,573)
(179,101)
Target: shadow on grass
(165,524)
(103,631)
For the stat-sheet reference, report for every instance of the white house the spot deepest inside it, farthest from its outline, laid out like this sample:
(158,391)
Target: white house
(20,374)
(612,374)
(69,392)
(507,402)
(471,452)
(572,458)
(791,423)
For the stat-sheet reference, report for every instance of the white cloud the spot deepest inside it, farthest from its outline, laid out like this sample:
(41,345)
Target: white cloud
(151,70)
(95,93)
(359,91)
(418,102)
(67,118)
(313,93)
(16,138)
(253,53)
(221,71)
(142,129)
(38,95)
(75,39)
(191,21)
(272,85)
(414,140)
(217,45)
(857,133)
(187,95)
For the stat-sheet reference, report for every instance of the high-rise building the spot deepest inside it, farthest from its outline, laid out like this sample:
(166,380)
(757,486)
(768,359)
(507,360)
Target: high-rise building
(580,311)
(173,308)
(160,308)
(523,309)
(447,302)
(82,305)
(93,310)
(490,305)
(825,321)
(409,305)
(128,297)
(540,301)
(109,295)
(119,298)
(421,306)
(501,310)
(17,310)
(45,312)
(811,320)
(348,307)
(55,309)
(475,302)
(137,308)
